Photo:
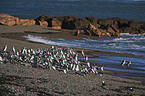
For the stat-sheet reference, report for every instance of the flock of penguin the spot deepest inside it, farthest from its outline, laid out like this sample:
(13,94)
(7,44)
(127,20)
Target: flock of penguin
(64,59)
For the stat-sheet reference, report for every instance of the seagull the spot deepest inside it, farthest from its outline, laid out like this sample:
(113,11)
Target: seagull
(123,62)
(129,63)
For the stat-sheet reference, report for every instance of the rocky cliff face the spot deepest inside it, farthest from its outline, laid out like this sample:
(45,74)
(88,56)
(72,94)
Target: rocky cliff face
(90,25)
(8,20)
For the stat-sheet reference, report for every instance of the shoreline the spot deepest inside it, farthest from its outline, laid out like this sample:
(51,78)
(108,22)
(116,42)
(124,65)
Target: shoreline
(115,84)
(53,34)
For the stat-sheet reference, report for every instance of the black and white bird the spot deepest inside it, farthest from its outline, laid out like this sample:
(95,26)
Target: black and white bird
(64,59)
(123,63)
(102,68)
(103,83)
(1,59)
(83,53)
(129,63)
(13,50)
(86,58)
(5,48)
(131,89)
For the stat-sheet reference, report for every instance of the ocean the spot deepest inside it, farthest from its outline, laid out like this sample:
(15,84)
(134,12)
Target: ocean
(126,43)
(100,9)
(125,9)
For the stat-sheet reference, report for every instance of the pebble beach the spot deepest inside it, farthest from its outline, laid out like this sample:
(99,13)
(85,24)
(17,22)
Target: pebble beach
(16,79)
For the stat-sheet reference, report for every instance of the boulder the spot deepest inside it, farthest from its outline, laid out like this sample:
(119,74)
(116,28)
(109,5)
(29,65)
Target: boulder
(123,23)
(8,20)
(93,31)
(42,23)
(42,20)
(27,22)
(88,32)
(54,23)
(109,29)
(82,23)
(69,22)
(77,33)
(143,26)
(60,18)
(93,21)
(4,15)
(110,21)
(115,29)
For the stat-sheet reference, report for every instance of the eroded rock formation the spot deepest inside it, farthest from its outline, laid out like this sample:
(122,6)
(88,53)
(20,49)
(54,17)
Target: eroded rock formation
(90,25)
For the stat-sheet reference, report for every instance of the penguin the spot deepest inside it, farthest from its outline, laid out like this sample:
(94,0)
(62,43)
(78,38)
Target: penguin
(123,63)
(131,89)
(5,48)
(129,63)
(83,53)
(103,83)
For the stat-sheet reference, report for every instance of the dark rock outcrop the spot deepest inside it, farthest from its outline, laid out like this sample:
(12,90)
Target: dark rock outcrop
(92,26)
(54,23)
(71,22)
(42,20)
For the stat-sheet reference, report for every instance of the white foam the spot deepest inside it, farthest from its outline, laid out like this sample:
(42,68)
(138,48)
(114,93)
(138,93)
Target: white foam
(121,44)
(49,41)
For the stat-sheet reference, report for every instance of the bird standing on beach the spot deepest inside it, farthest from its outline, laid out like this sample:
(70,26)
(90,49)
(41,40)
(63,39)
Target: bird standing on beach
(129,63)
(103,83)
(13,50)
(83,53)
(5,48)
(53,59)
(1,59)
(123,63)
(86,58)
(102,68)
(131,89)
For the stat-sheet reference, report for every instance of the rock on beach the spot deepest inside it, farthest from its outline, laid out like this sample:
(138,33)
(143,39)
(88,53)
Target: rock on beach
(92,26)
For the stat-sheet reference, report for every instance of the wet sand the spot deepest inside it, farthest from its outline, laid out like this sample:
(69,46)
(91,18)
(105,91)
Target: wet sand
(17,79)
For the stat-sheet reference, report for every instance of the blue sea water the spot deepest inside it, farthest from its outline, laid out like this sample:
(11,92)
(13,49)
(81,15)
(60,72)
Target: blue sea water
(126,43)
(125,9)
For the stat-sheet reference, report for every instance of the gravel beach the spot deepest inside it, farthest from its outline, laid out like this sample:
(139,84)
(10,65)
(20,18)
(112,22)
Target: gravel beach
(22,80)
